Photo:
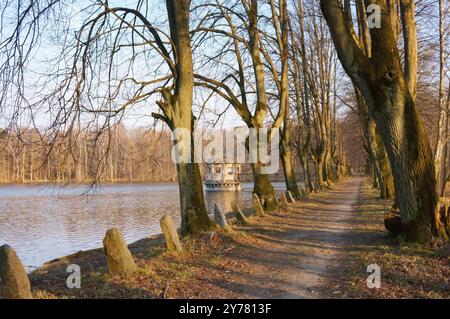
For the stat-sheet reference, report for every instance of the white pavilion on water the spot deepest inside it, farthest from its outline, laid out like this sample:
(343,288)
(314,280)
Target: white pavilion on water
(223,177)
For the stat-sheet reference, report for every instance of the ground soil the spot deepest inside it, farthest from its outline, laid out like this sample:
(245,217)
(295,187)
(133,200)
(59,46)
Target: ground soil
(319,247)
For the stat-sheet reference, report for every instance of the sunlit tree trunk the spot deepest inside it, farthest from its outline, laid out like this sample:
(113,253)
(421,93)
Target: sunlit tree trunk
(280,19)
(177,108)
(287,157)
(262,185)
(390,94)
(443,107)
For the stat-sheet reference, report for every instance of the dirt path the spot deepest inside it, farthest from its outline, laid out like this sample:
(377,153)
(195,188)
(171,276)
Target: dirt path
(299,249)
(319,248)
(292,253)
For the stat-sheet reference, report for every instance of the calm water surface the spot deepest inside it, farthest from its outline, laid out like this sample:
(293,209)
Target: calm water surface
(46,222)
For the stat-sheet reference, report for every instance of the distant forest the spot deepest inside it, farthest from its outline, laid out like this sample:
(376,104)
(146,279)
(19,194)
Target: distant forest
(113,156)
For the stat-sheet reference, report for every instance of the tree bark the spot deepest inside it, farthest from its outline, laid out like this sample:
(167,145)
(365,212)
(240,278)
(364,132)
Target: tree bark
(287,158)
(389,93)
(177,108)
(443,108)
(262,185)
(280,21)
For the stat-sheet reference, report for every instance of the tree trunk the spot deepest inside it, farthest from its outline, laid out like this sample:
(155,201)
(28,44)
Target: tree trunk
(177,108)
(194,216)
(319,171)
(263,188)
(306,172)
(443,109)
(390,94)
(287,160)
(286,140)
(262,185)
(387,180)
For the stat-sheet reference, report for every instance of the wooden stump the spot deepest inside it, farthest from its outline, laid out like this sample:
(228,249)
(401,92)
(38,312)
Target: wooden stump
(220,219)
(118,256)
(170,233)
(239,214)
(259,210)
(14,282)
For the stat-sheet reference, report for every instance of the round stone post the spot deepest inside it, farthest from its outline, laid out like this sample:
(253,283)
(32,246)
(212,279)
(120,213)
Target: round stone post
(220,219)
(118,256)
(290,197)
(259,210)
(14,282)
(284,201)
(170,234)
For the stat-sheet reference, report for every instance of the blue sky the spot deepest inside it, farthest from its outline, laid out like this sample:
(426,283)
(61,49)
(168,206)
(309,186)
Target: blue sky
(49,49)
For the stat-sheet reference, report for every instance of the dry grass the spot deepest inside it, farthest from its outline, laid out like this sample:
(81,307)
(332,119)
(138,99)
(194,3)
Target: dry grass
(182,275)
(407,271)
(261,260)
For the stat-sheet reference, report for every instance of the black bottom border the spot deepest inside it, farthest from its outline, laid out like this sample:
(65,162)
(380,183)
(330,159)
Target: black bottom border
(197,309)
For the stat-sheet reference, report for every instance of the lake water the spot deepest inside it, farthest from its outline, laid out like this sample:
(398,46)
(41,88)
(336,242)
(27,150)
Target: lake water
(46,222)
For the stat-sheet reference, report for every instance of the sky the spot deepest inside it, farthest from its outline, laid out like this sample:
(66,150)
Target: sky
(145,69)
(49,49)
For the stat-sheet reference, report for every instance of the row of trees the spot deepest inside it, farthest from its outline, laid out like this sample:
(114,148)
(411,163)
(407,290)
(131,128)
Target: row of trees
(101,75)
(276,63)
(117,155)
(384,73)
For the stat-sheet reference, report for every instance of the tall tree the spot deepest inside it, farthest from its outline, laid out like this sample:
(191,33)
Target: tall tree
(247,42)
(107,68)
(280,22)
(443,103)
(389,88)
(177,109)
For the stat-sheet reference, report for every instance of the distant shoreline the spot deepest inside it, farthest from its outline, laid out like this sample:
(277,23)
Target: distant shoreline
(86,183)
(83,183)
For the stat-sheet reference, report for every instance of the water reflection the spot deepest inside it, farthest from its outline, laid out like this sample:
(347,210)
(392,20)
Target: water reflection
(43,223)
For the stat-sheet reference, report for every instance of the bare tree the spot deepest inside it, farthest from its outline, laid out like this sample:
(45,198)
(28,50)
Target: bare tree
(389,88)
(441,138)
(104,70)
(280,53)
(244,41)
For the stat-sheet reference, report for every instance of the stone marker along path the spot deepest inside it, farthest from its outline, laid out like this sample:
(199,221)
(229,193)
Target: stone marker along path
(14,282)
(170,234)
(118,256)
(290,253)
(298,250)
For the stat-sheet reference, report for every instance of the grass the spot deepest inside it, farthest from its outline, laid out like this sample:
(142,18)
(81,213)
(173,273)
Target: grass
(182,275)
(407,270)
(226,265)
